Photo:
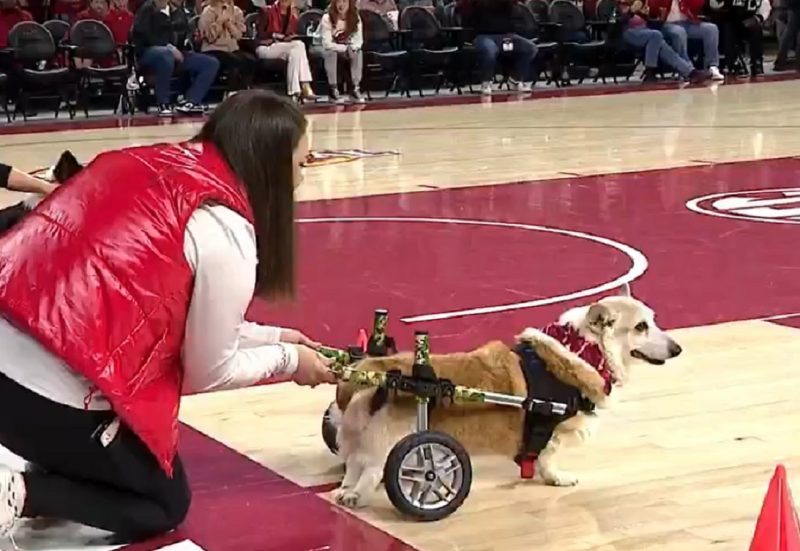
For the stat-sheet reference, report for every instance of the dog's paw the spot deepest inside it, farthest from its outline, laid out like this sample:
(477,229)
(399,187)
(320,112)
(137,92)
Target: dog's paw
(348,498)
(561,478)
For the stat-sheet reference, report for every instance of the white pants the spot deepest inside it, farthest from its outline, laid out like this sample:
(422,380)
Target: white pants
(297,69)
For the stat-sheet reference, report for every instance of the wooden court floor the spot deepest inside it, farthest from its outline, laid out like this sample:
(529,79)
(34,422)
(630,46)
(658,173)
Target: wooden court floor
(683,459)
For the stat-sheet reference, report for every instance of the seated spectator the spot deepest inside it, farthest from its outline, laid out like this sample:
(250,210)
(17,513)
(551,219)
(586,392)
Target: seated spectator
(790,37)
(385,8)
(629,23)
(10,15)
(159,37)
(278,40)
(120,20)
(342,39)
(740,22)
(493,24)
(97,10)
(68,10)
(681,22)
(221,26)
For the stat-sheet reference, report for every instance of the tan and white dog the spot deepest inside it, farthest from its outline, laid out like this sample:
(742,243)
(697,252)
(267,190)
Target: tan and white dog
(370,423)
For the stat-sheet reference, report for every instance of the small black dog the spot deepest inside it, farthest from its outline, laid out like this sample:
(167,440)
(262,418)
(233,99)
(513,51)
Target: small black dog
(66,167)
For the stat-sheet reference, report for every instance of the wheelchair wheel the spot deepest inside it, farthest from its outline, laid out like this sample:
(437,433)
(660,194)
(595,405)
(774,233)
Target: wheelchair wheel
(329,430)
(428,475)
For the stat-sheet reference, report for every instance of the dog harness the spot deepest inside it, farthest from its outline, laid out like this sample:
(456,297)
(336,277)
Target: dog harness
(543,385)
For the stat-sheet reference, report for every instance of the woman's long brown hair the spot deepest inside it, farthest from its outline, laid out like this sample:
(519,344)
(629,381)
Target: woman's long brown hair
(351,23)
(257,132)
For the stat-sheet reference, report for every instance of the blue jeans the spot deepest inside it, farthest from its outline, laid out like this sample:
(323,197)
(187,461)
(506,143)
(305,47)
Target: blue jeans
(202,69)
(655,49)
(678,35)
(488,48)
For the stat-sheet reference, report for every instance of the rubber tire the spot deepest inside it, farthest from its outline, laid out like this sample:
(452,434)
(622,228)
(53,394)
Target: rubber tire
(392,469)
(329,431)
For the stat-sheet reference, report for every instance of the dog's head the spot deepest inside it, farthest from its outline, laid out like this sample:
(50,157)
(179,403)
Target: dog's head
(633,328)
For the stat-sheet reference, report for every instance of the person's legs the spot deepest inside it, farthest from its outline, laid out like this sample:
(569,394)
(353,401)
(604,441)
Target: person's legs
(356,60)
(709,34)
(788,39)
(230,64)
(524,54)
(331,59)
(648,39)
(247,68)
(487,48)
(299,69)
(118,487)
(160,62)
(203,70)
(677,38)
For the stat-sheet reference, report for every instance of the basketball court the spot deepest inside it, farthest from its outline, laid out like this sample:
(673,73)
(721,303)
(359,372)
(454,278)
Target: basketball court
(476,220)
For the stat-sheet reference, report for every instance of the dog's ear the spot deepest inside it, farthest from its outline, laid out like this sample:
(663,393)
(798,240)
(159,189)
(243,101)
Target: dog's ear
(624,290)
(600,317)
(66,167)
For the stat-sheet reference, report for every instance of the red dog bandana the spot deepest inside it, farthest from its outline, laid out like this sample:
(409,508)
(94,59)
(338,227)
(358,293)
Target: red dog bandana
(588,351)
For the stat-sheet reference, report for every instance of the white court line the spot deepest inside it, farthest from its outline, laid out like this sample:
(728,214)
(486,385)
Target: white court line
(778,317)
(185,545)
(694,206)
(638,263)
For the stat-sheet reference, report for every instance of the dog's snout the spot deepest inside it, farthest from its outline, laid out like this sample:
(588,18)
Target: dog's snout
(675,349)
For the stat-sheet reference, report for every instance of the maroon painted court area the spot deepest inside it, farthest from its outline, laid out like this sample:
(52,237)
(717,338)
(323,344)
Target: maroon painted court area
(701,269)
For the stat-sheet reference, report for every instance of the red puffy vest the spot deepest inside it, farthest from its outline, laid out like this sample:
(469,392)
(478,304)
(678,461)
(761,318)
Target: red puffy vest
(98,276)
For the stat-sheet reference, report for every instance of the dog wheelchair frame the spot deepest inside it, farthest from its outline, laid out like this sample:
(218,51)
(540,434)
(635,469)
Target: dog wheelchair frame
(428,474)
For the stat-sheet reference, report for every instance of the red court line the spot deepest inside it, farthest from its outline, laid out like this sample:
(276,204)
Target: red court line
(382,105)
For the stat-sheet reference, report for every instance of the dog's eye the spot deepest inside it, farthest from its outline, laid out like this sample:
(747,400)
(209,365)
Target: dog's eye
(642,327)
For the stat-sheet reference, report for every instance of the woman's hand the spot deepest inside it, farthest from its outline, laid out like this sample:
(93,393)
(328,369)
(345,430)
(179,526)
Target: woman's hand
(294,336)
(312,368)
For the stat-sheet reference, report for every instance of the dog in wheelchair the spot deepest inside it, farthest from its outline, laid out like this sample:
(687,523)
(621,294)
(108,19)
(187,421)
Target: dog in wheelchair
(589,351)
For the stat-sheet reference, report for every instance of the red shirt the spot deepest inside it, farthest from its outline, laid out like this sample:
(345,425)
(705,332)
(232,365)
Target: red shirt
(273,22)
(89,14)
(70,8)
(117,252)
(120,23)
(9,18)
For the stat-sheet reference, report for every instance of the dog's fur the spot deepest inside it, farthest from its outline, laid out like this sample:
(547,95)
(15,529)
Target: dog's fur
(66,167)
(370,424)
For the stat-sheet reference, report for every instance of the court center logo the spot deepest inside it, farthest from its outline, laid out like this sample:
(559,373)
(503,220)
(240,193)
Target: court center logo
(776,206)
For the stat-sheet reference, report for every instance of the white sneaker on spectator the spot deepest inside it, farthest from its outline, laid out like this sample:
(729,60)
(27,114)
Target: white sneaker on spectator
(486,89)
(715,73)
(524,87)
(12,499)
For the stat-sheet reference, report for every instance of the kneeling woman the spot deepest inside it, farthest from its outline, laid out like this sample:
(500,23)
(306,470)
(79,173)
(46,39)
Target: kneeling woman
(342,39)
(135,295)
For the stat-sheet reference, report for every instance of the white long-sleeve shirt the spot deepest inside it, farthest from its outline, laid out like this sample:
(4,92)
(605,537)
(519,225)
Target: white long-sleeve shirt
(220,350)
(355,40)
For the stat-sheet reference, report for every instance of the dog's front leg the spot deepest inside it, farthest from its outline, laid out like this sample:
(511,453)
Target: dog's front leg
(359,494)
(352,474)
(547,468)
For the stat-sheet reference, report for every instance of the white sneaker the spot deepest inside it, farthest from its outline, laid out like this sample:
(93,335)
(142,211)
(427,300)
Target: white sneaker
(524,87)
(715,74)
(12,499)
(486,89)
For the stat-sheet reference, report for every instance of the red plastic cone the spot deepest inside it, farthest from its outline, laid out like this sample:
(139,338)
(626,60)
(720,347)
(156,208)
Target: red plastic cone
(777,528)
(362,340)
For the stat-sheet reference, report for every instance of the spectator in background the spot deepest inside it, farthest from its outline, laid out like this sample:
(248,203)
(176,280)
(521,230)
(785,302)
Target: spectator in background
(385,8)
(790,37)
(740,21)
(97,10)
(681,22)
(120,21)
(221,26)
(493,24)
(68,10)
(629,23)
(159,38)
(278,37)
(342,38)
(10,15)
